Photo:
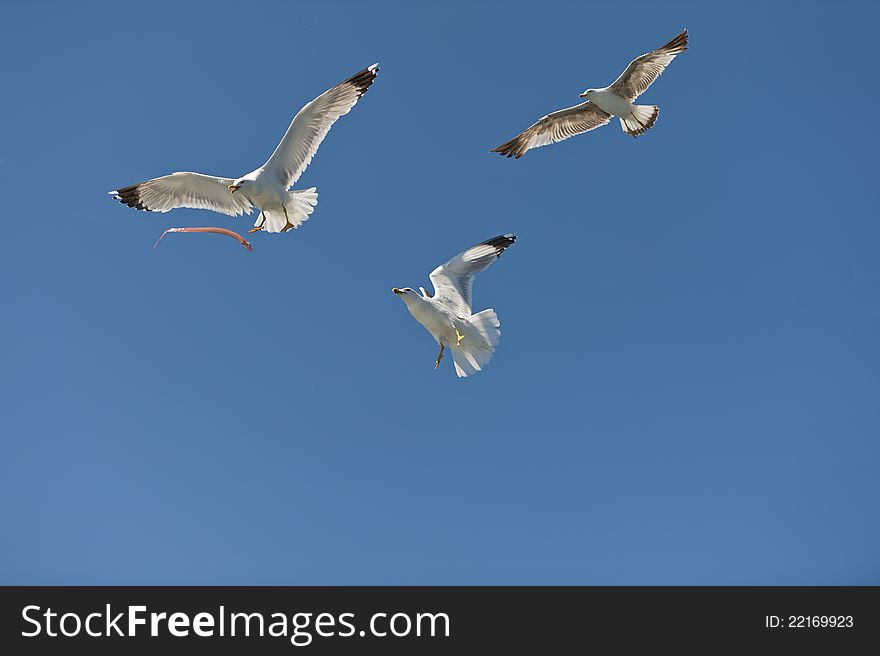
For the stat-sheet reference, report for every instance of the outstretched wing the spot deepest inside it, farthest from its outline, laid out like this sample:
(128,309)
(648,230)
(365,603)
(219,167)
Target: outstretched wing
(312,123)
(195,190)
(642,71)
(555,127)
(453,281)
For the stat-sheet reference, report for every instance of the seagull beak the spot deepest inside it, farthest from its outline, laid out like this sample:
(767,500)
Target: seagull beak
(584,94)
(232,188)
(396,290)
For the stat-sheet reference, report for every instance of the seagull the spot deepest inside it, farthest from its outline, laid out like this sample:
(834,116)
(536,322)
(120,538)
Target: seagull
(265,188)
(602,104)
(446,313)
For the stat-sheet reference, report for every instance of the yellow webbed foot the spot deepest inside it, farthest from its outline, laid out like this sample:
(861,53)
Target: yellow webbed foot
(256,227)
(459,337)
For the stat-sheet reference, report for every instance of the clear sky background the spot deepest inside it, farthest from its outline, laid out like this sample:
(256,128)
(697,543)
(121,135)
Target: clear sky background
(687,386)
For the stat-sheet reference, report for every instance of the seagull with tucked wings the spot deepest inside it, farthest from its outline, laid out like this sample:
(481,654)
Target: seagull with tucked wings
(265,188)
(601,104)
(446,313)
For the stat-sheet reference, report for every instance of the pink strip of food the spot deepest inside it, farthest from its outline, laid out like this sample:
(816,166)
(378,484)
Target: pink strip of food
(220,231)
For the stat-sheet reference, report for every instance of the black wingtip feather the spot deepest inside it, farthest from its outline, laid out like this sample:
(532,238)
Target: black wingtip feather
(131,196)
(363,79)
(501,242)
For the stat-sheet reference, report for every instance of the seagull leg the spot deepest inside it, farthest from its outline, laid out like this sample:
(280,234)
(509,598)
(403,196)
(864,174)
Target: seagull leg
(439,357)
(458,337)
(259,227)
(286,218)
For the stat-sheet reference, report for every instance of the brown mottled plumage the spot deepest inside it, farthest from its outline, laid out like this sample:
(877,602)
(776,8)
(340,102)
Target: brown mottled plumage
(614,100)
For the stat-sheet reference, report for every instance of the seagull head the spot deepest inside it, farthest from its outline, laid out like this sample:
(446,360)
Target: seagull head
(588,93)
(407,294)
(235,186)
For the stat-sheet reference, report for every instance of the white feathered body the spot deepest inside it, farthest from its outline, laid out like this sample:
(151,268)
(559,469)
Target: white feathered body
(264,191)
(437,319)
(480,332)
(280,209)
(610,102)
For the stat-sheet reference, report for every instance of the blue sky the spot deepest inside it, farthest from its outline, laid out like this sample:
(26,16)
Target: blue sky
(687,386)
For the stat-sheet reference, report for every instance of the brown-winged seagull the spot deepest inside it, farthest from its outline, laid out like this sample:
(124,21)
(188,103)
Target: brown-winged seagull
(614,100)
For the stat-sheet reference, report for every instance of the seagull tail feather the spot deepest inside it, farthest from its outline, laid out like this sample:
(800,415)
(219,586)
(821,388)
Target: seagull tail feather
(481,336)
(300,204)
(640,120)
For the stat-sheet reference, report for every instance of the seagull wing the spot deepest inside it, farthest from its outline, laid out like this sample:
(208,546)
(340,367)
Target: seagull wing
(453,281)
(642,71)
(555,127)
(312,123)
(195,190)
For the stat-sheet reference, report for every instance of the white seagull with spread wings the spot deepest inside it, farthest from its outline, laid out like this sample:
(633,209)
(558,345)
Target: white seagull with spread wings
(447,312)
(602,104)
(265,188)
